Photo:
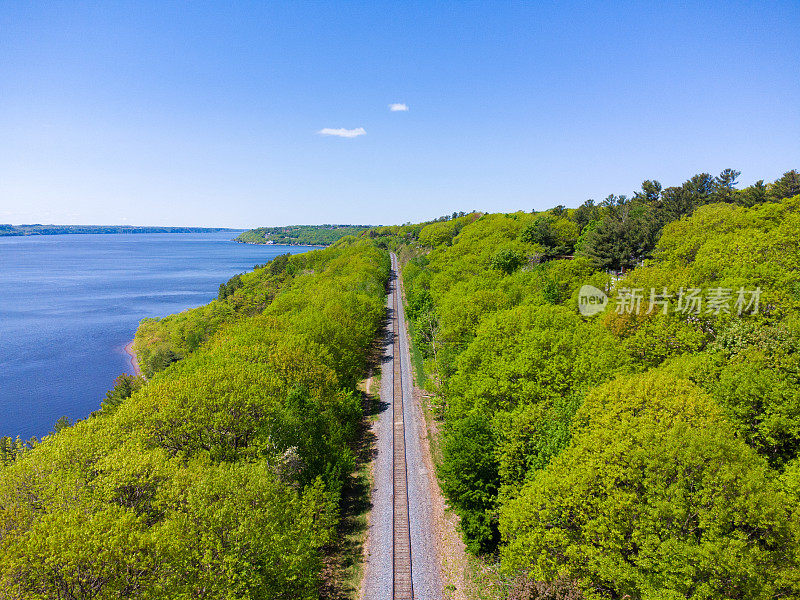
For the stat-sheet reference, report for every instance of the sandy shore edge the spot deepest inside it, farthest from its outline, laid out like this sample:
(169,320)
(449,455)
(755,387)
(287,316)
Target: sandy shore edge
(134,362)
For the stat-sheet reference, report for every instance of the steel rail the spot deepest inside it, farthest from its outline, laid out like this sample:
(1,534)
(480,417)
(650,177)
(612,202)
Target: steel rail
(402,585)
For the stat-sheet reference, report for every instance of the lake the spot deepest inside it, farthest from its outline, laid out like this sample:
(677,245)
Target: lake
(70,303)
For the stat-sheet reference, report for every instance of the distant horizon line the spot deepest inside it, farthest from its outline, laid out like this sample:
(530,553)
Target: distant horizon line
(120,225)
(217,227)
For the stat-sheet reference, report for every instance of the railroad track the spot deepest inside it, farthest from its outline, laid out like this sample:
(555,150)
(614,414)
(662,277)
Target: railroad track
(402,585)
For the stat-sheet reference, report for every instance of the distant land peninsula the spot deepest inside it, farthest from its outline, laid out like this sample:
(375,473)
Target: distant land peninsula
(300,235)
(37,229)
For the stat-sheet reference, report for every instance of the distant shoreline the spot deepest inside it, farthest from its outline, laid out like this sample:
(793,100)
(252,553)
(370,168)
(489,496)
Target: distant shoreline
(283,244)
(39,229)
(134,362)
(301,235)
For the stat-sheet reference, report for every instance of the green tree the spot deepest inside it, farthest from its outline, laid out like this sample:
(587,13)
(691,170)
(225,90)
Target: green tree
(220,477)
(437,234)
(785,187)
(650,194)
(725,186)
(124,387)
(507,260)
(470,480)
(654,498)
(61,423)
(556,234)
(585,214)
(752,195)
(541,232)
(624,236)
(508,394)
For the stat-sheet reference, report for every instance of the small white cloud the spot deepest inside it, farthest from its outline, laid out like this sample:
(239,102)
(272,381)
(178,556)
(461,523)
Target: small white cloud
(342,132)
(398,107)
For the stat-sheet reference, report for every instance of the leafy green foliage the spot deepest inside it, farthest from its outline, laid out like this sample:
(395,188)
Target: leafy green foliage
(642,455)
(677,479)
(753,372)
(300,235)
(10,448)
(622,231)
(507,260)
(557,235)
(442,231)
(531,354)
(228,288)
(220,476)
(471,481)
(654,498)
(785,187)
(161,342)
(623,236)
(731,247)
(521,379)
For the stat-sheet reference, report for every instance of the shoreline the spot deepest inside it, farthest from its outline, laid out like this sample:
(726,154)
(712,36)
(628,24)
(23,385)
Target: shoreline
(134,362)
(238,241)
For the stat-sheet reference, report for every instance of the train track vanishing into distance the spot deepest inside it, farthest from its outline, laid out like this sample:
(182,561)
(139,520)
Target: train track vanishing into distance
(402,560)
(402,584)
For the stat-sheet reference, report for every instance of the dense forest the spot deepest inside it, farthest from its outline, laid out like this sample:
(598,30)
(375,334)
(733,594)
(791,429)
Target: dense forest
(16,230)
(220,475)
(647,452)
(300,235)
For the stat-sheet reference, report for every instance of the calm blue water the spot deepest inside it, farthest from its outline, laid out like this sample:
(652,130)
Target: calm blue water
(70,303)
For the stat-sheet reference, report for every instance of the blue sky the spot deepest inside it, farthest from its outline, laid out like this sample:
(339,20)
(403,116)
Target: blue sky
(209,114)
